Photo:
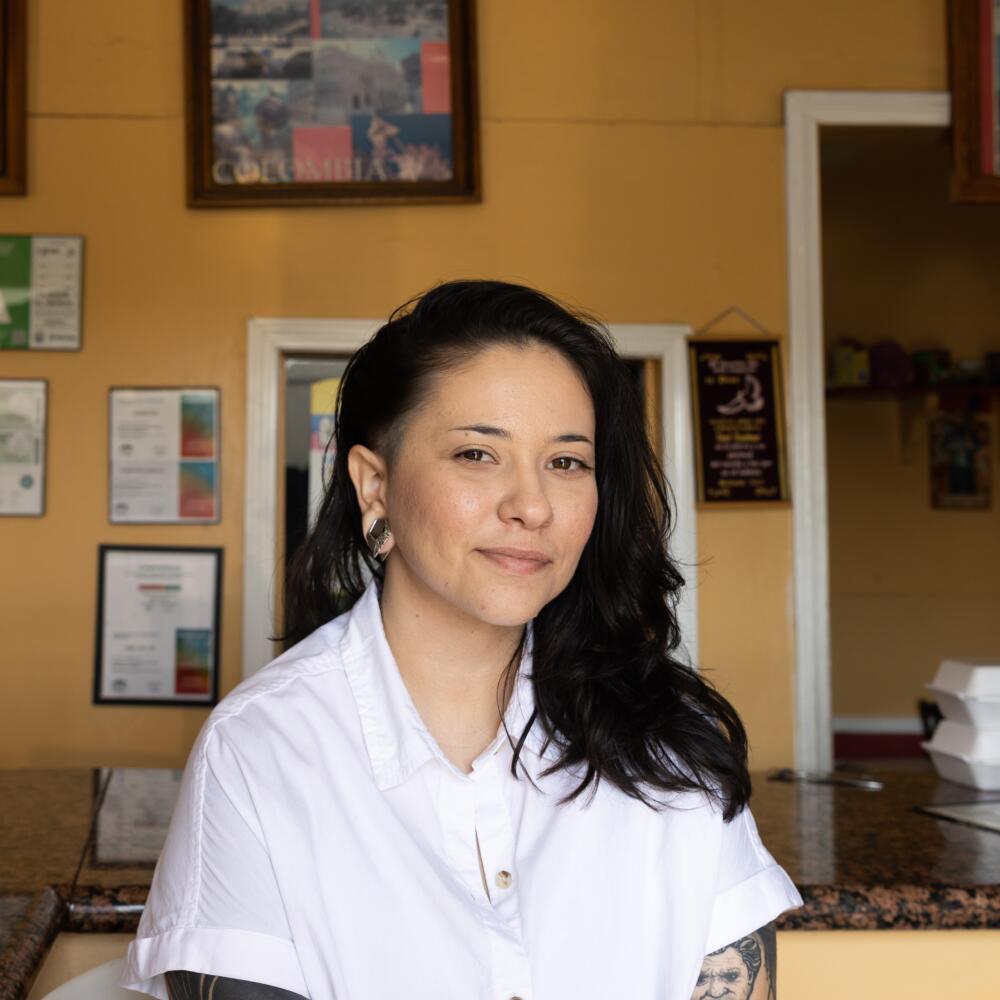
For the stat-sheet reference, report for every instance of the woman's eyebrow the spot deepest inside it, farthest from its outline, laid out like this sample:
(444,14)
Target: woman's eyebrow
(502,432)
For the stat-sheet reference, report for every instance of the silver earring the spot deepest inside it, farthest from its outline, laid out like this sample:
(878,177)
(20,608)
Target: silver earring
(376,537)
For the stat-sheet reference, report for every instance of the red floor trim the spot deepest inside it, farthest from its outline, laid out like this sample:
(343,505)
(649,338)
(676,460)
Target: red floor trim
(878,745)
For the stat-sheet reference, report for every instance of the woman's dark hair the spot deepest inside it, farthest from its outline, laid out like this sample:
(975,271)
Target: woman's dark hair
(609,690)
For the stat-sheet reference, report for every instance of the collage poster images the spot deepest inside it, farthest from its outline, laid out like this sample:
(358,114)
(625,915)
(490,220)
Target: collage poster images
(315,91)
(164,456)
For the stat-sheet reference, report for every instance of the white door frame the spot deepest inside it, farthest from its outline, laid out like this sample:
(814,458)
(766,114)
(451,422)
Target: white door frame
(805,112)
(268,339)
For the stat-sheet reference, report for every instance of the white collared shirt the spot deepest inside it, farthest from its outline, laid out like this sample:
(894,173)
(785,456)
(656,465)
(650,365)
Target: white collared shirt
(323,843)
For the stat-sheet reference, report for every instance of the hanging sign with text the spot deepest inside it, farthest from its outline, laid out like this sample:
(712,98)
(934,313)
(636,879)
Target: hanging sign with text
(739,423)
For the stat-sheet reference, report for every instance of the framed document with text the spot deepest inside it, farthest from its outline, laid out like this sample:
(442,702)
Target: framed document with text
(158,611)
(739,421)
(164,456)
(23,409)
(41,292)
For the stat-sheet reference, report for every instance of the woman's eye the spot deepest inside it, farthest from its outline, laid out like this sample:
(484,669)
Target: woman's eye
(580,463)
(472,451)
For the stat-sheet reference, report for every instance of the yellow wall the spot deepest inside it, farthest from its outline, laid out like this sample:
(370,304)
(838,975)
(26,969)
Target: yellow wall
(909,585)
(632,163)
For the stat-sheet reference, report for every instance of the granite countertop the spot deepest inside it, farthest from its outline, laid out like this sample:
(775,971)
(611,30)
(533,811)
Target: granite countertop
(78,847)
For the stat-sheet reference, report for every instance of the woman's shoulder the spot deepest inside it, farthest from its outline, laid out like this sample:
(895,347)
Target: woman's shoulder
(697,800)
(285,690)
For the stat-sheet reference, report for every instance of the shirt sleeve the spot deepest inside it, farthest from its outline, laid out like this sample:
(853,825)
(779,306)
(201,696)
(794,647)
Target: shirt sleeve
(751,889)
(214,905)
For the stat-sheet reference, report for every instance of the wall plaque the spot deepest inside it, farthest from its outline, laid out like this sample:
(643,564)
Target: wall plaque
(739,421)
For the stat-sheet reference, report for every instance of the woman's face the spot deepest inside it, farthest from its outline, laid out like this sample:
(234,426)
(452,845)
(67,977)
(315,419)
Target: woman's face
(482,467)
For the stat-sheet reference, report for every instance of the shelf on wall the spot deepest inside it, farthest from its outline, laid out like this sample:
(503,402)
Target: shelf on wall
(952,388)
(914,403)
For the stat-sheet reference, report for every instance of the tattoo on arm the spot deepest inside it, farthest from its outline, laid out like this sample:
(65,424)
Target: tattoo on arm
(184,985)
(745,968)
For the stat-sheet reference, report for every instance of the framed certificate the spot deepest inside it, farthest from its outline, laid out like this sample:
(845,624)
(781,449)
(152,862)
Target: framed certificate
(41,293)
(23,409)
(157,630)
(164,456)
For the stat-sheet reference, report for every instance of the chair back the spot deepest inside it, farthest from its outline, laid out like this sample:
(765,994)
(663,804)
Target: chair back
(99,983)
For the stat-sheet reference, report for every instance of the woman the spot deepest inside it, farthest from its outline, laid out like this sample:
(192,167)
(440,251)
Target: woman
(482,627)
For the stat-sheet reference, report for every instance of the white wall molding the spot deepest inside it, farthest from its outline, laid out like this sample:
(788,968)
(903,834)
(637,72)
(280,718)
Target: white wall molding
(805,113)
(877,724)
(270,339)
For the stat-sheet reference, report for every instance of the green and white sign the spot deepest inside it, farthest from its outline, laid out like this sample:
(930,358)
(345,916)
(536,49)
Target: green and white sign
(40,292)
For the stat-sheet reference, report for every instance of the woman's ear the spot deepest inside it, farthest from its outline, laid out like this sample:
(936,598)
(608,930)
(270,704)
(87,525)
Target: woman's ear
(368,474)
(367,471)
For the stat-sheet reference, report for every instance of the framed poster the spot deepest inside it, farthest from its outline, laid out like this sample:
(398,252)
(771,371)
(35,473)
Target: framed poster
(164,455)
(157,625)
(327,102)
(973,36)
(13,96)
(41,285)
(739,421)
(23,423)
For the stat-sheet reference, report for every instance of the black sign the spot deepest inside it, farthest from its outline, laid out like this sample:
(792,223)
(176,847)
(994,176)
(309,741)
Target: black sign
(739,430)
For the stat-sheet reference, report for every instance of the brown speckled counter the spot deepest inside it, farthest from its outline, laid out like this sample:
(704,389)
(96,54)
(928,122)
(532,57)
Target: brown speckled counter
(45,821)
(866,860)
(77,849)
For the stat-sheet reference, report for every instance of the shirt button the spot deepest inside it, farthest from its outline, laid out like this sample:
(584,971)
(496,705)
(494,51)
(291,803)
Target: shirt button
(503,881)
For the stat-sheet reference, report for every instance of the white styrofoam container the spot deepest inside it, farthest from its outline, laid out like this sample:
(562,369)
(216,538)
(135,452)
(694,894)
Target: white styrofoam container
(966,754)
(975,678)
(963,770)
(968,741)
(983,712)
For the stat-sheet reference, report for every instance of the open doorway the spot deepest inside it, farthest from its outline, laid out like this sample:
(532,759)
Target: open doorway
(806,113)
(809,117)
(912,350)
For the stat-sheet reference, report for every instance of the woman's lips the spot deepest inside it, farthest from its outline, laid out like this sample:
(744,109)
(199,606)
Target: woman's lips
(512,565)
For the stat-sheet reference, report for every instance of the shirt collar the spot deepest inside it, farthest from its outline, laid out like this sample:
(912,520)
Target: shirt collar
(397,740)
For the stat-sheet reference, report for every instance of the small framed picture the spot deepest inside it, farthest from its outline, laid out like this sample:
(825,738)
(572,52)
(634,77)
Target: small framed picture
(961,472)
(331,102)
(164,455)
(158,610)
(23,446)
(974,34)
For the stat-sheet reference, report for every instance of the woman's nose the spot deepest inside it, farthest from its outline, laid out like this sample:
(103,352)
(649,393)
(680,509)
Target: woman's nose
(526,500)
